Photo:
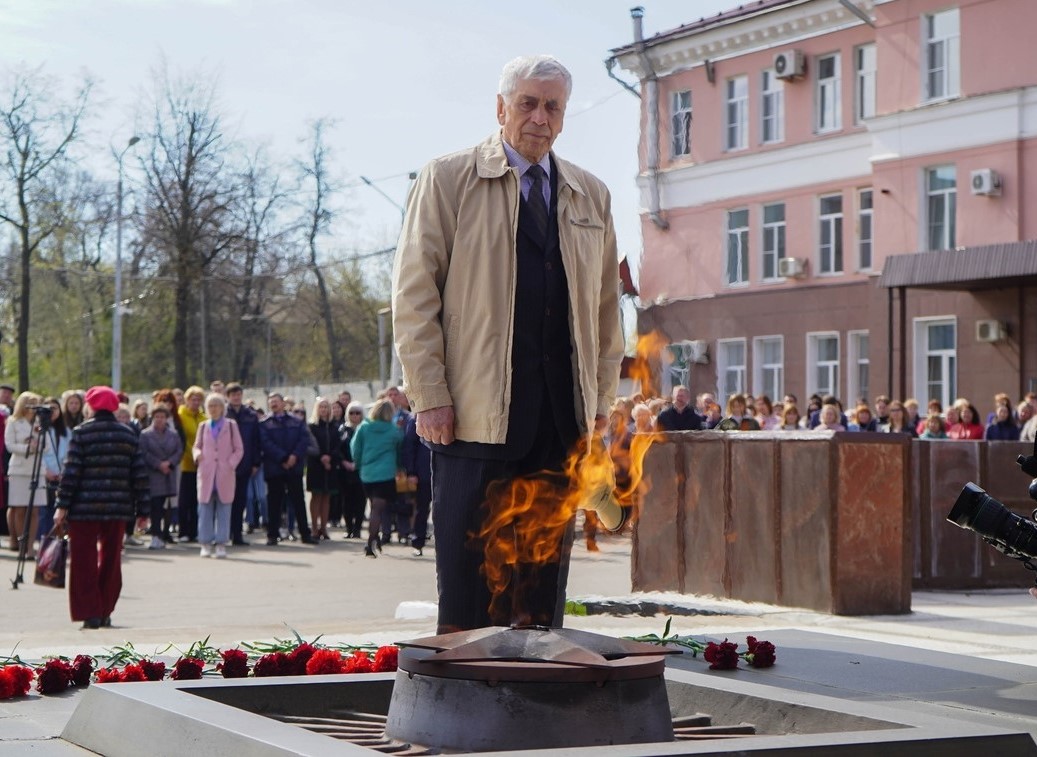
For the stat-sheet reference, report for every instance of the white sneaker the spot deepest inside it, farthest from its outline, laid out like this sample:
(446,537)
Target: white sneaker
(221,551)
(284,533)
(157,543)
(206,551)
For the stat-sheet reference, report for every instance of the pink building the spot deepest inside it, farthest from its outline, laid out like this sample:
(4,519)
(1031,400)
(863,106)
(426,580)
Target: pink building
(834,197)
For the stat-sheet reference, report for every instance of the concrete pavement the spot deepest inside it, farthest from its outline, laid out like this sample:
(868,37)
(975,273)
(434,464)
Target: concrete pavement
(175,596)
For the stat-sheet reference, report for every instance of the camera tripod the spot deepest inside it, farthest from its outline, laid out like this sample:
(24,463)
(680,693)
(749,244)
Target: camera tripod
(25,537)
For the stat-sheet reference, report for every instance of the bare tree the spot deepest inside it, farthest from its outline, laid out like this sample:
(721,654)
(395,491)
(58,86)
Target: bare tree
(188,196)
(36,130)
(315,172)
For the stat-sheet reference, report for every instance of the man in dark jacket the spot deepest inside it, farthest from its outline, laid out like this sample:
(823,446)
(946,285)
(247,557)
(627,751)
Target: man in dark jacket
(103,487)
(248,426)
(681,416)
(284,439)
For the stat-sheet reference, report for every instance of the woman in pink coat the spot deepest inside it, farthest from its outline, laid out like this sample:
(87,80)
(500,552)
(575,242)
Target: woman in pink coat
(217,452)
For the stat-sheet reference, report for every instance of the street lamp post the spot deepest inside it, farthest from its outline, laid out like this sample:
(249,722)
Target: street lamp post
(117,313)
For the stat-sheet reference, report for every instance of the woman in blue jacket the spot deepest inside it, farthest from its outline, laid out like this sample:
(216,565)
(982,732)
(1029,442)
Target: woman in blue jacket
(376,453)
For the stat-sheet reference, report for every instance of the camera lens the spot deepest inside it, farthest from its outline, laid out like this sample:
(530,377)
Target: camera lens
(977,511)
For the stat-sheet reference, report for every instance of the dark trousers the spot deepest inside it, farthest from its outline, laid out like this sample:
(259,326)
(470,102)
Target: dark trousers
(354,503)
(159,518)
(95,567)
(237,508)
(285,491)
(422,506)
(187,504)
(535,593)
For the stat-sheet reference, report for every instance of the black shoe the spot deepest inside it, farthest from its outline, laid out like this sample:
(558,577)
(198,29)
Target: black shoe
(416,552)
(92,623)
(106,621)
(307,539)
(369,549)
(239,542)
(271,542)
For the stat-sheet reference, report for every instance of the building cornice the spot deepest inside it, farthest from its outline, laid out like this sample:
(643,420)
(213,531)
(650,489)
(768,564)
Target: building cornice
(672,52)
(815,163)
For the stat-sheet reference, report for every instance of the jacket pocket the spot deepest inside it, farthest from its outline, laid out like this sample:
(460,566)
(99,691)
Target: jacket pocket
(587,223)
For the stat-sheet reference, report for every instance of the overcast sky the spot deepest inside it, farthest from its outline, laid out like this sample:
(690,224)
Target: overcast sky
(405,81)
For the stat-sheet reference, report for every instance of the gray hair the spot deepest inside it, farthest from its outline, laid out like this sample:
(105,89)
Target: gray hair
(217,399)
(533,67)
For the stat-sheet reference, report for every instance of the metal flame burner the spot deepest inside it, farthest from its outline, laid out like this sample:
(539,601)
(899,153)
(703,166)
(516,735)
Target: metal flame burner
(528,688)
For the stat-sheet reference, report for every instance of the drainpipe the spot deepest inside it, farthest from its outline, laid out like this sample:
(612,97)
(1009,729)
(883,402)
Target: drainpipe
(652,91)
(848,4)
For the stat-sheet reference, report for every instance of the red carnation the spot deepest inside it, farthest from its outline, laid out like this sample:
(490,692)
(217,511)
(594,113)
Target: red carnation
(298,658)
(325,662)
(187,669)
(82,669)
(15,681)
(153,671)
(723,656)
(358,662)
(108,675)
(273,664)
(234,665)
(132,672)
(761,653)
(54,677)
(386,659)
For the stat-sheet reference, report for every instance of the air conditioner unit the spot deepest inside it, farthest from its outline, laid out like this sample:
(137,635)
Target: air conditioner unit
(789,64)
(986,182)
(794,268)
(697,351)
(990,331)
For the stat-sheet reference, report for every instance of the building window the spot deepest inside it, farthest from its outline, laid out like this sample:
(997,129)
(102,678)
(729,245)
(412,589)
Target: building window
(823,364)
(830,238)
(829,99)
(772,108)
(678,370)
(936,359)
(773,239)
(942,54)
(737,113)
(680,124)
(730,367)
(738,246)
(864,229)
(941,207)
(858,384)
(865,59)
(769,366)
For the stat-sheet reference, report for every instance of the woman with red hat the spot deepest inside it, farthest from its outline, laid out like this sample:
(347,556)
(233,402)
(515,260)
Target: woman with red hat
(104,485)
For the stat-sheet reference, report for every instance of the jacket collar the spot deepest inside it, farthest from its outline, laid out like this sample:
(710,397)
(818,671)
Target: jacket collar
(491,162)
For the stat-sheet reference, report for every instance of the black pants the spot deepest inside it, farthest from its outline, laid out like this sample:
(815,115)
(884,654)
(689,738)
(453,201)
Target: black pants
(354,502)
(187,504)
(282,491)
(536,593)
(159,519)
(422,506)
(237,508)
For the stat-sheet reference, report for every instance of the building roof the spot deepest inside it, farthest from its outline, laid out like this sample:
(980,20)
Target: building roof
(725,17)
(981,267)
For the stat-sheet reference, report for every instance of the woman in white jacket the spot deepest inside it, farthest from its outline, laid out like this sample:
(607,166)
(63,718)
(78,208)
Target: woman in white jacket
(21,438)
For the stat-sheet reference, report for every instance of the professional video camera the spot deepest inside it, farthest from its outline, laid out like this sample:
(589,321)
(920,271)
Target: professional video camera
(999,527)
(43,413)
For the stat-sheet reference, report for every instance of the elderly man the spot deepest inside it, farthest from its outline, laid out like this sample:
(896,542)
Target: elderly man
(680,416)
(505,316)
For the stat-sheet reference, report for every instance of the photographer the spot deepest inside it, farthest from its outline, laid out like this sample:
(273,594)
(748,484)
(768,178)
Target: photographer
(21,437)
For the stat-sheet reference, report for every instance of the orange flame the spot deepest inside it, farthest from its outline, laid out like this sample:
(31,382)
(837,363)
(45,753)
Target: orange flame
(649,347)
(527,519)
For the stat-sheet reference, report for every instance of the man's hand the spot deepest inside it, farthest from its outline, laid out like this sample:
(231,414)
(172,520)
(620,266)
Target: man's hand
(59,516)
(436,424)
(290,462)
(164,467)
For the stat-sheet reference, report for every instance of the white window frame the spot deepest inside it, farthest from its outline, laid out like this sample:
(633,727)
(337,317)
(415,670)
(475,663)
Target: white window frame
(736,113)
(814,363)
(865,229)
(740,236)
(725,366)
(833,222)
(769,378)
(680,124)
(949,230)
(948,358)
(865,65)
(773,242)
(828,90)
(947,47)
(772,107)
(857,357)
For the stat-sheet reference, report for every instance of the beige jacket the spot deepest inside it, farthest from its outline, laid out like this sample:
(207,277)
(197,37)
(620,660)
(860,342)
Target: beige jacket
(453,294)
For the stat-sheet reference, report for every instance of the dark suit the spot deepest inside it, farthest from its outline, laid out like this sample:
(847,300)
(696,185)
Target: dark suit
(542,428)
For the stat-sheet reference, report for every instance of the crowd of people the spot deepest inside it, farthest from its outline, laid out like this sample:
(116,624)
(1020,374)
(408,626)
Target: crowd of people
(220,468)
(1006,420)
